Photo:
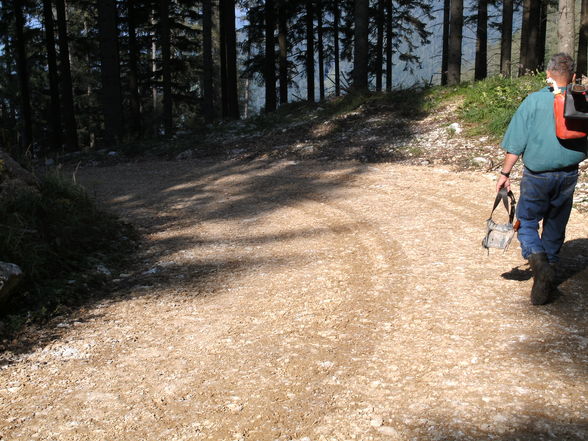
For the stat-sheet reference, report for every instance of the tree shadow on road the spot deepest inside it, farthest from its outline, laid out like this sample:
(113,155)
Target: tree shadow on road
(170,204)
(528,425)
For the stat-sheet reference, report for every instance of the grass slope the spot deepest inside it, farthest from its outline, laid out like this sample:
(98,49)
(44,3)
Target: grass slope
(59,238)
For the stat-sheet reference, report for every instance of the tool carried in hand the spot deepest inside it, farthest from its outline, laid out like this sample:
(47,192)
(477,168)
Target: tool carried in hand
(500,235)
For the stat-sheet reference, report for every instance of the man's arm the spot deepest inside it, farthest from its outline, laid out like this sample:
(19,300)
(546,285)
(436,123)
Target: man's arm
(504,180)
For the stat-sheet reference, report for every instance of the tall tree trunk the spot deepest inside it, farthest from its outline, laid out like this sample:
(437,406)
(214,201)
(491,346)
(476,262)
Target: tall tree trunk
(246,98)
(154,92)
(110,69)
(69,119)
(283,43)
(232,61)
(445,50)
(55,111)
(223,60)
(389,48)
(270,56)
(455,40)
(217,56)
(542,39)
(506,38)
(23,76)
(533,35)
(565,26)
(524,49)
(380,45)
(229,59)
(207,60)
(135,99)
(310,50)
(8,112)
(481,69)
(336,20)
(321,49)
(582,60)
(9,57)
(164,35)
(530,36)
(361,46)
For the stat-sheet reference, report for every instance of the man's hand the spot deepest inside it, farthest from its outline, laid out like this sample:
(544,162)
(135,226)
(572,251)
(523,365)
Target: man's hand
(503,182)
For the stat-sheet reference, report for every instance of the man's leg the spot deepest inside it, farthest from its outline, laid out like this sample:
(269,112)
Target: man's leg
(556,219)
(532,207)
(534,203)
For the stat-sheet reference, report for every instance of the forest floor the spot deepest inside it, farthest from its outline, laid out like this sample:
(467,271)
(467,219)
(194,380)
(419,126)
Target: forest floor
(278,297)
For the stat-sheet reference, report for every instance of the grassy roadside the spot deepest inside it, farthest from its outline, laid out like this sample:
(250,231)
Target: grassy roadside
(486,106)
(64,245)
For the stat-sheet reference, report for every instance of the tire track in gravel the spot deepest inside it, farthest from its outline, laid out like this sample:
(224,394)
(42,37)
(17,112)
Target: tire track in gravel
(351,327)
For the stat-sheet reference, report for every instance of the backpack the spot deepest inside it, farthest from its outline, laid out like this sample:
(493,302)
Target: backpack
(570,109)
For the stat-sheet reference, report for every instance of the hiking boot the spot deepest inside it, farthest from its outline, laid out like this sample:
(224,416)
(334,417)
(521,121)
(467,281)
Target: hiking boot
(543,279)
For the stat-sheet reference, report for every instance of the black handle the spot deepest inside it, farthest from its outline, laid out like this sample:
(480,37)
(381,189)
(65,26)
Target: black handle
(504,196)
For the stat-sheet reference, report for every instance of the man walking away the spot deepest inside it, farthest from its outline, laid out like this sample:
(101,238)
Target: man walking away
(549,178)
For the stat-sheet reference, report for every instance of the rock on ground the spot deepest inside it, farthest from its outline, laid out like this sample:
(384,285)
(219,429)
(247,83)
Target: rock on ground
(10,276)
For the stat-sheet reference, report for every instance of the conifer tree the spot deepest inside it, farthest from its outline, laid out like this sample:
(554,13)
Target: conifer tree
(582,59)
(455,41)
(55,110)
(67,101)
(23,76)
(506,38)
(109,57)
(361,46)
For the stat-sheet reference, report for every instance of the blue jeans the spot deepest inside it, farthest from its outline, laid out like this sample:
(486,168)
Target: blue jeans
(546,196)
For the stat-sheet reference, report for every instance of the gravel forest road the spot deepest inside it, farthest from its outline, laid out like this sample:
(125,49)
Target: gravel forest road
(282,300)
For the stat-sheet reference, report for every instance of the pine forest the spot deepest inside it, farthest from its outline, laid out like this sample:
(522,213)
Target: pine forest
(82,74)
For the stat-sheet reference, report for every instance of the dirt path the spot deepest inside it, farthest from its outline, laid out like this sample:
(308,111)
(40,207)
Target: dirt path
(310,301)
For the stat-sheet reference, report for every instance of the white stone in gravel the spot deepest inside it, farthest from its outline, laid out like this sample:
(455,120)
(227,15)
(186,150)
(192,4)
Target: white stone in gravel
(187,154)
(153,270)
(377,421)
(456,128)
(235,407)
(480,160)
(103,270)
(67,353)
(389,431)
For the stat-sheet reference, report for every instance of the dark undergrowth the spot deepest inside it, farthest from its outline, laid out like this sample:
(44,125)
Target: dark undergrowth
(64,245)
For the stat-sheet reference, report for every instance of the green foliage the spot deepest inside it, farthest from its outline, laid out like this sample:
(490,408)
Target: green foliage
(56,234)
(490,103)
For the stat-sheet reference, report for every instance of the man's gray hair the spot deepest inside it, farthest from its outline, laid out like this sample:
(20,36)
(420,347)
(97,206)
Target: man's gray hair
(562,63)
